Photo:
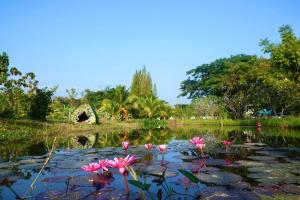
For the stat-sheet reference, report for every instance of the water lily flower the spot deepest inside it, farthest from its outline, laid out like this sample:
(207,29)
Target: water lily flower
(162,148)
(92,167)
(125,145)
(122,163)
(148,146)
(103,164)
(129,160)
(227,142)
(200,146)
(196,140)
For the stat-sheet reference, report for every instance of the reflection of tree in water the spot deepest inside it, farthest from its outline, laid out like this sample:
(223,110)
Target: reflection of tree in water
(155,136)
(136,137)
(275,140)
(13,150)
(82,141)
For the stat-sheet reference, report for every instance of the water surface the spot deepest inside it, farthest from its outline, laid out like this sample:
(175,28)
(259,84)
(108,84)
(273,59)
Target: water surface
(261,162)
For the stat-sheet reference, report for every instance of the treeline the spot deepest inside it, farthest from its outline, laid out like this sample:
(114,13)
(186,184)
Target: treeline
(240,86)
(247,85)
(20,96)
(118,103)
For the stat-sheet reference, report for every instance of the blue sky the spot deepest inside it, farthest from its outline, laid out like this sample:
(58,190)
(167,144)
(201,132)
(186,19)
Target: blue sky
(94,44)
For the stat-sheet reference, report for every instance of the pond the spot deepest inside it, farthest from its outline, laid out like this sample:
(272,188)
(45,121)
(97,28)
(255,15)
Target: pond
(259,162)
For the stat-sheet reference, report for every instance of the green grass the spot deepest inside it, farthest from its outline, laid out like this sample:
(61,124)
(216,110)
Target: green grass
(288,122)
(22,129)
(281,197)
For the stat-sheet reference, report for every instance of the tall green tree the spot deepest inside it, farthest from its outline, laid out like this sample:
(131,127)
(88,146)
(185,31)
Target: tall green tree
(40,103)
(72,93)
(285,56)
(232,79)
(141,83)
(14,85)
(282,80)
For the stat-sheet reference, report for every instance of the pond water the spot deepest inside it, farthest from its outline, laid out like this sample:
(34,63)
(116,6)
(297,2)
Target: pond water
(260,162)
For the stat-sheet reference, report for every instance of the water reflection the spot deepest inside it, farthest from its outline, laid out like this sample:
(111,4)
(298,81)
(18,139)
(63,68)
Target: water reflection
(256,160)
(11,150)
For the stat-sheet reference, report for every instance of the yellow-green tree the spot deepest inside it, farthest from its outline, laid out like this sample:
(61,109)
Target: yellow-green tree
(141,83)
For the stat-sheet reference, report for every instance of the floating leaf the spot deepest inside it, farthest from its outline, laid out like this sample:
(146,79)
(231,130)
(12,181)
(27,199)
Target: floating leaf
(219,178)
(142,186)
(189,175)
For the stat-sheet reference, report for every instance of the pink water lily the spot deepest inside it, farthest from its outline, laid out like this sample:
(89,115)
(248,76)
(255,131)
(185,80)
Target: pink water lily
(196,140)
(227,142)
(125,145)
(200,146)
(162,148)
(148,146)
(92,167)
(103,164)
(122,163)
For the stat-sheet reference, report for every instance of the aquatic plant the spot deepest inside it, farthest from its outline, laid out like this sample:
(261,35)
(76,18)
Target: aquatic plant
(125,145)
(162,148)
(92,167)
(196,140)
(122,163)
(103,165)
(227,142)
(148,146)
(200,146)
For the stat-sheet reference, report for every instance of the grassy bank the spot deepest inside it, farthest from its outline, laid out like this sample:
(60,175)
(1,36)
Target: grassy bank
(288,122)
(21,129)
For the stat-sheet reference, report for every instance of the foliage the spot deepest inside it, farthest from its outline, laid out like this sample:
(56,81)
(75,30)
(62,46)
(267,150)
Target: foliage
(154,124)
(182,111)
(206,107)
(283,79)
(40,103)
(230,79)
(189,175)
(245,82)
(287,122)
(15,89)
(142,84)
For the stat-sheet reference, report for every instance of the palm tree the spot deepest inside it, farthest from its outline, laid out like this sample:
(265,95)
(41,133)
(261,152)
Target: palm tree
(152,107)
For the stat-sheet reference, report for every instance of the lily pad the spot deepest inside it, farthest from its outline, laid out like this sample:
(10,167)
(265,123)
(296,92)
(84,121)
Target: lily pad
(213,162)
(262,158)
(218,192)
(219,178)
(185,157)
(7,165)
(71,164)
(95,180)
(291,188)
(248,163)
(277,154)
(5,173)
(56,179)
(159,171)
(255,144)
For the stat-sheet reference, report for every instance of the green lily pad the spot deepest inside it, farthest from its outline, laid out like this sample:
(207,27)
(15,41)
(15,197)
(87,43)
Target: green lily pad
(56,179)
(218,192)
(291,188)
(219,178)
(5,173)
(71,164)
(7,165)
(277,154)
(262,158)
(159,171)
(248,163)
(211,162)
(255,144)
